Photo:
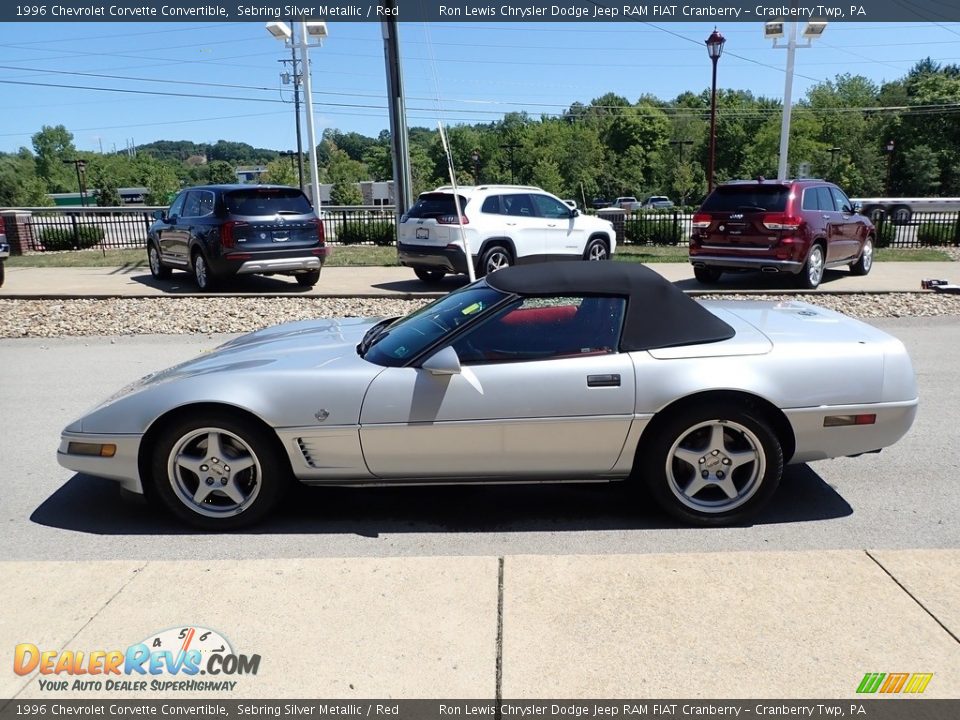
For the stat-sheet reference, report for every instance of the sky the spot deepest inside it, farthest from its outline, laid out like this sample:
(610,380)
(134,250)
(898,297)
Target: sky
(210,81)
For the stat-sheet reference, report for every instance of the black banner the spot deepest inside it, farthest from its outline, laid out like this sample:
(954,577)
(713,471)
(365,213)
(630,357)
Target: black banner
(872,709)
(477,11)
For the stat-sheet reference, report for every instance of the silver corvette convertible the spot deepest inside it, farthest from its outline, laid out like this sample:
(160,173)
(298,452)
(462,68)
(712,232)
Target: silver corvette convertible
(545,373)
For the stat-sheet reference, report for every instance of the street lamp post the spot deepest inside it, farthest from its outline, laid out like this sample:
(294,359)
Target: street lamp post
(714,45)
(890,147)
(680,144)
(81,167)
(833,161)
(775,31)
(475,156)
(307,30)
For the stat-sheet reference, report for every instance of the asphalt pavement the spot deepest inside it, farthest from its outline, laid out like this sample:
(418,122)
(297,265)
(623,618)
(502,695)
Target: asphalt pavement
(523,592)
(400,282)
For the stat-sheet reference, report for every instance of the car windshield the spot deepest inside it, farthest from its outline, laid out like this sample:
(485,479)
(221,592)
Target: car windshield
(434,205)
(764,198)
(406,338)
(267,201)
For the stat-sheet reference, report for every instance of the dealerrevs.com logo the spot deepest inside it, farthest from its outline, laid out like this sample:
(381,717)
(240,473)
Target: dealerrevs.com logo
(170,660)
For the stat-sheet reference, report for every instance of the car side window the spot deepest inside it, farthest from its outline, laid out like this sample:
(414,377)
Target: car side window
(518,205)
(842,201)
(547,207)
(176,210)
(810,199)
(546,329)
(191,207)
(491,205)
(825,199)
(206,203)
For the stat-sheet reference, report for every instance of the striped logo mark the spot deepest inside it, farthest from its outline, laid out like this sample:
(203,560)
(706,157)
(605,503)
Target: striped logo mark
(892,683)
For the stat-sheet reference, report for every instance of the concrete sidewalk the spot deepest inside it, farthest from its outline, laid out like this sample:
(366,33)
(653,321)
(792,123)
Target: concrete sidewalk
(713,625)
(30,282)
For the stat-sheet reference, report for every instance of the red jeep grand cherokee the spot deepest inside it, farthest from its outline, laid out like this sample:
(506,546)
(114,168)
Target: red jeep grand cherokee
(792,226)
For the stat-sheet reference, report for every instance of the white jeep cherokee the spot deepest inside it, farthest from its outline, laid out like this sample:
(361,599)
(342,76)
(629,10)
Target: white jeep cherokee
(503,225)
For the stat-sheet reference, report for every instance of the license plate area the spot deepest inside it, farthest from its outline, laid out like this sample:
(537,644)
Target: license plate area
(423,233)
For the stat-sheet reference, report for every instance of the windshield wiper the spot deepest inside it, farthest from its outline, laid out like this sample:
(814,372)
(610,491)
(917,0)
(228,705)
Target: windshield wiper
(371,335)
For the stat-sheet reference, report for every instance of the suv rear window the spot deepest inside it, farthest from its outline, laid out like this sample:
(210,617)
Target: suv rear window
(267,201)
(730,198)
(434,205)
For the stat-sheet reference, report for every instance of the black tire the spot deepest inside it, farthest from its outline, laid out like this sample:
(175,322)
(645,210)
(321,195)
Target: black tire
(596,250)
(2,273)
(157,268)
(707,275)
(865,261)
(202,273)
(308,279)
(690,431)
(494,258)
(186,441)
(431,276)
(901,215)
(812,273)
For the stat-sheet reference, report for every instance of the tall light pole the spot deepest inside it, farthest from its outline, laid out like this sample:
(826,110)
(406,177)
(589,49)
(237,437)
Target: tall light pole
(475,156)
(833,161)
(714,49)
(890,146)
(775,31)
(305,31)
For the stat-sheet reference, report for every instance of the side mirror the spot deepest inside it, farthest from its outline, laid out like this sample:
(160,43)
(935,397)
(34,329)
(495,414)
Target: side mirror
(158,214)
(574,212)
(858,207)
(443,362)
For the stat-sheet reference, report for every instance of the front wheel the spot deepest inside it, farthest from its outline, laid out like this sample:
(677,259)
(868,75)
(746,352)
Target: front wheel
(812,272)
(863,265)
(495,258)
(308,279)
(713,465)
(157,268)
(216,472)
(430,276)
(596,250)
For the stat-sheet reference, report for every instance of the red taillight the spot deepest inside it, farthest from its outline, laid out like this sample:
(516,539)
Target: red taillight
(321,233)
(781,221)
(452,220)
(701,221)
(227,233)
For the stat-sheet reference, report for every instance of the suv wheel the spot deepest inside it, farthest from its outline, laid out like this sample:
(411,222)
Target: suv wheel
(1,273)
(863,265)
(812,272)
(308,279)
(202,274)
(495,258)
(707,275)
(157,268)
(596,250)
(429,275)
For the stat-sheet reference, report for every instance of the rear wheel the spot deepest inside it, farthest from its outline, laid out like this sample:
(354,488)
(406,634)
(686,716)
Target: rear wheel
(157,268)
(202,274)
(429,275)
(495,258)
(707,275)
(596,250)
(308,279)
(713,464)
(863,265)
(812,272)
(1,273)
(216,472)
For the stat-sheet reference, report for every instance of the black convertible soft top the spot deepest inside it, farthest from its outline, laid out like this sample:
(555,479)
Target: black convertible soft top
(659,315)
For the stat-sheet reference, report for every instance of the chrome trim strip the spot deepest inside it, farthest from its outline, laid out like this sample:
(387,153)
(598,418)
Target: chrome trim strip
(279,265)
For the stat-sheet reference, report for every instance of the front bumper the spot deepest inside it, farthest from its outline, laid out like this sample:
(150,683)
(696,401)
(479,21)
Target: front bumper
(124,466)
(452,259)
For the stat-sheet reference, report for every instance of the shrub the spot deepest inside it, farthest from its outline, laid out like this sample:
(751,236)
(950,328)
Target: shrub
(931,233)
(379,232)
(886,234)
(653,229)
(68,238)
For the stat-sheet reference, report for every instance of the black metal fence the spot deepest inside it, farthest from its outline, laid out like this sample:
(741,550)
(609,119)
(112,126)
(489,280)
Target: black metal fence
(48,229)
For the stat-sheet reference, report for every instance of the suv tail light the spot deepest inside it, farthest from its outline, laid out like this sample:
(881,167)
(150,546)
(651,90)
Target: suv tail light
(227,237)
(452,220)
(781,221)
(702,221)
(321,233)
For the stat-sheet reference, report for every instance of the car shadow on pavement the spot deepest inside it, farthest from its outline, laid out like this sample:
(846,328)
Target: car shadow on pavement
(182,284)
(413,285)
(93,505)
(768,282)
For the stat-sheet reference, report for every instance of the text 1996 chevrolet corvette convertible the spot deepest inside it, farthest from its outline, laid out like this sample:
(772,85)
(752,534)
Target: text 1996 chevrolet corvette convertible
(551,372)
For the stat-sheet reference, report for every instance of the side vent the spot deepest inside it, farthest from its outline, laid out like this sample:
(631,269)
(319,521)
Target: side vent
(305,449)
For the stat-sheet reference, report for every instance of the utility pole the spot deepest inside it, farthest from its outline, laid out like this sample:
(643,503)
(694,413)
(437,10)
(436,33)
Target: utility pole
(81,167)
(399,142)
(510,147)
(297,79)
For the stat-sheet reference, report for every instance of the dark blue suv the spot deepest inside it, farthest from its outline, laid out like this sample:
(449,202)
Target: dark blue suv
(220,231)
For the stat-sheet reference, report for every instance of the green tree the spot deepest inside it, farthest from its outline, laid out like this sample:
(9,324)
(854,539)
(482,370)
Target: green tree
(220,171)
(53,145)
(281,172)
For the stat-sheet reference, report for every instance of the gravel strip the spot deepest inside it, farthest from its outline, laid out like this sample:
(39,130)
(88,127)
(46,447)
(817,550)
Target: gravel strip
(178,316)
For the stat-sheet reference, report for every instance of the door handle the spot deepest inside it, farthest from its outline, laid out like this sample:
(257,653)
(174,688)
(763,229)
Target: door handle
(611,380)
